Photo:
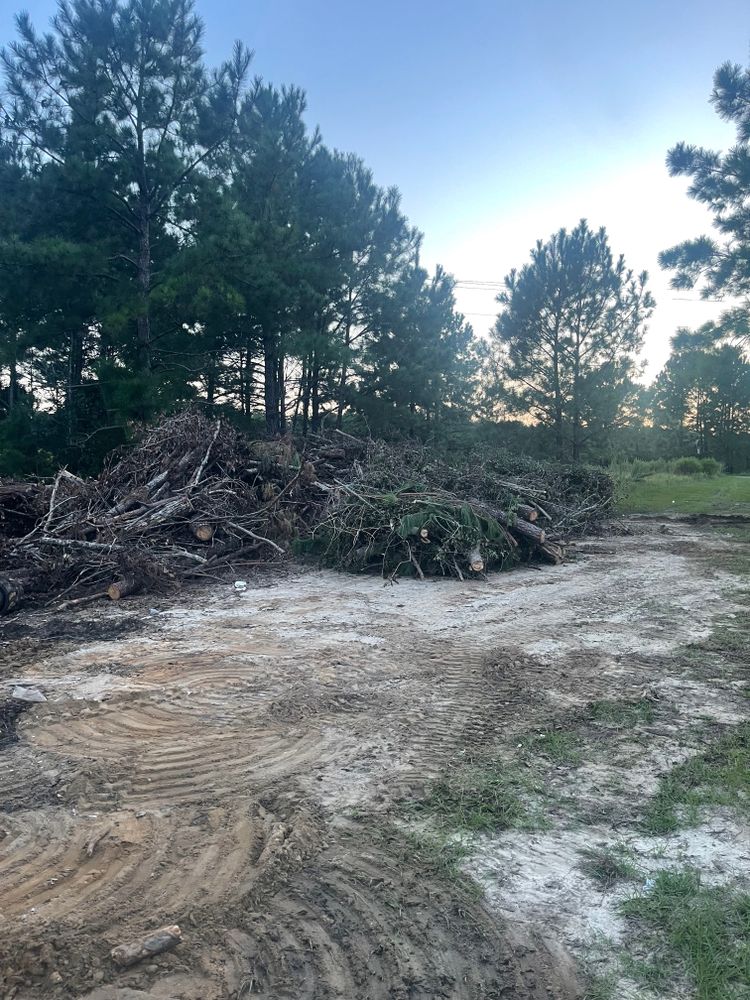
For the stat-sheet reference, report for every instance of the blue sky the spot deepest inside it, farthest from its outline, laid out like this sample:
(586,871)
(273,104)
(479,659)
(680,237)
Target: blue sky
(501,122)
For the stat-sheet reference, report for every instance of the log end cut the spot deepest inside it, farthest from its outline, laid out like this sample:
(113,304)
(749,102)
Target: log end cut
(121,588)
(202,530)
(476,562)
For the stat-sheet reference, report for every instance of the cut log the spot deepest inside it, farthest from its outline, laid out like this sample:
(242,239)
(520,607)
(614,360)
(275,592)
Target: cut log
(121,588)
(521,527)
(476,562)
(202,530)
(552,553)
(11,594)
(527,512)
(154,943)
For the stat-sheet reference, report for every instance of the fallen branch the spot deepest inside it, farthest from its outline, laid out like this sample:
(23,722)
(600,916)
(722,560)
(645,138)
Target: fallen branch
(154,943)
(251,534)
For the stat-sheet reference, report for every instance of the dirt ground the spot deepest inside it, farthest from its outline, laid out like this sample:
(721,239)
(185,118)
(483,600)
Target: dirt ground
(242,764)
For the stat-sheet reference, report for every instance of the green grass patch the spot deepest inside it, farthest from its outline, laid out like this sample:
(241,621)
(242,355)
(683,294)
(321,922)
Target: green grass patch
(664,493)
(729,638)
(608,866)
(654,975)
(439,855)
(621,714)
(736,532)
(719,776)
(701,932)
(602,988)
(483,796)
(555,746)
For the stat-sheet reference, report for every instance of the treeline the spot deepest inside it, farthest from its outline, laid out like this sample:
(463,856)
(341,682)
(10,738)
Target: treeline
(171,233)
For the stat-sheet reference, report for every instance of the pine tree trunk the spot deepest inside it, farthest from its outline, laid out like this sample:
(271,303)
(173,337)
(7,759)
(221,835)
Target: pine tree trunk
(298,400)
(315,392)
(559,441)
(281,393)
(270,370)
(12,383)
(249,372)
(576,447)
(143,320)
(273,384)
(305,395)
(75,374)
(344,365)
(241,380)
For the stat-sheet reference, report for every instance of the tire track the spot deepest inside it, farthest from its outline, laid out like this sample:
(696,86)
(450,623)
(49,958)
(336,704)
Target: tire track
(204,786)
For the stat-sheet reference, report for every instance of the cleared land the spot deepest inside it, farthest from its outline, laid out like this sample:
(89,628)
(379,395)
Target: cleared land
(344,789)
(664,494)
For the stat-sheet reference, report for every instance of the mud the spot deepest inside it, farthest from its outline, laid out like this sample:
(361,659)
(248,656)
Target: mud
(208,766)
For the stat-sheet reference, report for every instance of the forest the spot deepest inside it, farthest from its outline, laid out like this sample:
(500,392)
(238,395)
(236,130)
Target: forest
(174,234)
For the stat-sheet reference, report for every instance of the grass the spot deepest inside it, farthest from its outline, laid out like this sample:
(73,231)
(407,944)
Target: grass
(439,855)
(483,796)
(702,932)
(608,865)
(621,714)
(654,975)
(720,776)
(556,746)
(602,988)
(664,493)
(730,636)
(737,532)
(725,651)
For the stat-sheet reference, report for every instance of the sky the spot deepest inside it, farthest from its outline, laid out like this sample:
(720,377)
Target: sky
(501,122)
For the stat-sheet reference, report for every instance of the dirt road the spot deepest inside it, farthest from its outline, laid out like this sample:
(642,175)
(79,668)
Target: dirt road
(242,765)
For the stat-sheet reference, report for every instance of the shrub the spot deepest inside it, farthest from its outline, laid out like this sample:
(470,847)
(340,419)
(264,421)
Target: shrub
(687,467)
(710,467)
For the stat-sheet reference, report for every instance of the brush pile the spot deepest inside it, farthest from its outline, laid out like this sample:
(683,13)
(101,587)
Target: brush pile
(195,498)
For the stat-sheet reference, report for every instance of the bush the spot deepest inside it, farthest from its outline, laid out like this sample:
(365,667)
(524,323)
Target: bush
(710,467)
(687,467)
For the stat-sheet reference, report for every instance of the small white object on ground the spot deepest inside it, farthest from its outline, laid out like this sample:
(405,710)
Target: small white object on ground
(240,586)
(20,693)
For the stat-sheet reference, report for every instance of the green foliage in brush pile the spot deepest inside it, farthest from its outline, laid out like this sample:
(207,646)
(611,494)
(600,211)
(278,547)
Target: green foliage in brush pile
(407,532)
(404,508)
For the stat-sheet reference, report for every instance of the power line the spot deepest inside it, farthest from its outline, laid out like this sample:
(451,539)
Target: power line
(471,283)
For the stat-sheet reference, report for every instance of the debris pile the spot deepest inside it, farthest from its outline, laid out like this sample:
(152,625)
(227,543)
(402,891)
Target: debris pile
(406,509)
(195,498)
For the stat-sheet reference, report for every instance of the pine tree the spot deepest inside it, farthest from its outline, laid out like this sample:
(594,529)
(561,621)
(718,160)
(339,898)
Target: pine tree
(702,397)
(570,327)
(119,89)
(721,181)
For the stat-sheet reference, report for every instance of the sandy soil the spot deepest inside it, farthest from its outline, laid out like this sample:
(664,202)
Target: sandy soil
(208,764)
